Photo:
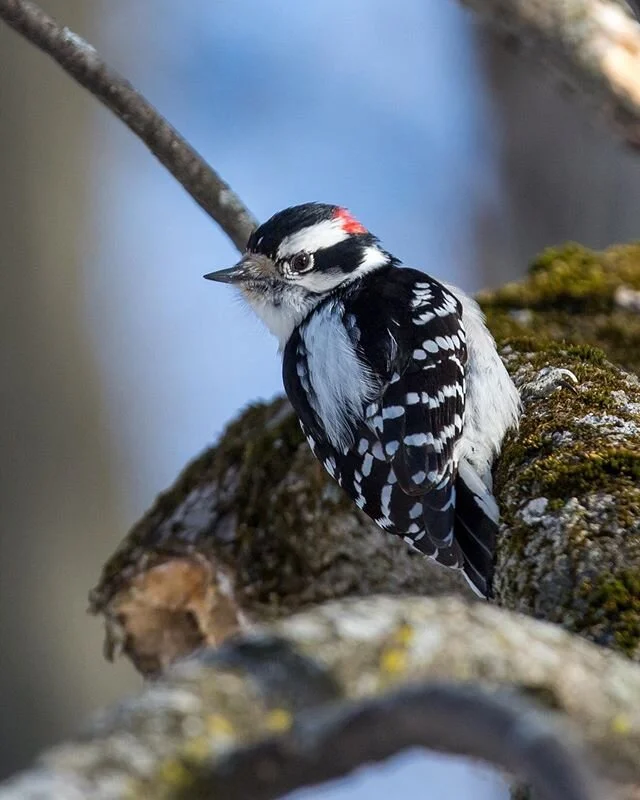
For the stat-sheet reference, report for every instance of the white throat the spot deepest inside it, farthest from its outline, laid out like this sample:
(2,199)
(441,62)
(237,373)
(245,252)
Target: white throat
(284,316)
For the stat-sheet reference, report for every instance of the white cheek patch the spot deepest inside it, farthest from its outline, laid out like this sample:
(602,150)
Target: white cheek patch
(312,238)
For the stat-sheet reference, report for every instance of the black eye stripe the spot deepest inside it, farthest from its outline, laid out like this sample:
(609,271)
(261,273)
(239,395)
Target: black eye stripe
(344,256)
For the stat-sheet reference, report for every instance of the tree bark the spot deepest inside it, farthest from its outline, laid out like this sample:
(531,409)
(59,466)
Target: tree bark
(234,722)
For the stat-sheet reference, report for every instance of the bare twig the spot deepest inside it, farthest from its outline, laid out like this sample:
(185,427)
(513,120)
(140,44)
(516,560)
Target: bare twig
(595,44)
(82,62)
(634,6)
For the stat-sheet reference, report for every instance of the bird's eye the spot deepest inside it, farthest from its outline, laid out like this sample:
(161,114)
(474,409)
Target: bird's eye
(301,262)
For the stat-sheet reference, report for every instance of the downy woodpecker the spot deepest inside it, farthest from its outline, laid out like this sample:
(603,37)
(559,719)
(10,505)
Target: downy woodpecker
(396,381)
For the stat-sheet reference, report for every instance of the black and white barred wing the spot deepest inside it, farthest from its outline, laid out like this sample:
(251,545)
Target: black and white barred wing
(418,419)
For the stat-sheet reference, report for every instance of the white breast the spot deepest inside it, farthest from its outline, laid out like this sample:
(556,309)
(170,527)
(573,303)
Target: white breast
(342,385)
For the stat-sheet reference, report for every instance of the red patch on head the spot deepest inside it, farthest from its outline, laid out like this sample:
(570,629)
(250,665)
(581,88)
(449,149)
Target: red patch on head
(348,222)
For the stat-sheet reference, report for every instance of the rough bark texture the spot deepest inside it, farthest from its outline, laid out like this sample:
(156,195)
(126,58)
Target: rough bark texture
(568,483)
(184,732)
(253,530)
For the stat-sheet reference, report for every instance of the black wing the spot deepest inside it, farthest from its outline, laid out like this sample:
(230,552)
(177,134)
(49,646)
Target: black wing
(418,417)
(399,467)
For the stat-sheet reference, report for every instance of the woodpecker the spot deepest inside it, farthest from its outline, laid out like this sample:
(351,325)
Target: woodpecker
(395,379)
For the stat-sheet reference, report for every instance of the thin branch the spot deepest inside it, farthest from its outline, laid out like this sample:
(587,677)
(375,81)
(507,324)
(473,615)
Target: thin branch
(80,60)
(594,44)
(634,6)
(497,728)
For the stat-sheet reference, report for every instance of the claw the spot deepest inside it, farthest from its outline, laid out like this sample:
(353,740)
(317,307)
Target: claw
(547,381)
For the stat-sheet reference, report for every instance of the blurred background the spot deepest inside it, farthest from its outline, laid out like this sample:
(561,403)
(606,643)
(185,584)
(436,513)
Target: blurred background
(118,363)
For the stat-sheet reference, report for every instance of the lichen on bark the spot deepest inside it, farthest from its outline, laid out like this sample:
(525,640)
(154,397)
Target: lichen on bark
(570,501)
(182,733)
(568,482)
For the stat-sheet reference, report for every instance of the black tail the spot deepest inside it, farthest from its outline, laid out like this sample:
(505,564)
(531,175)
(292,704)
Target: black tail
(476,529)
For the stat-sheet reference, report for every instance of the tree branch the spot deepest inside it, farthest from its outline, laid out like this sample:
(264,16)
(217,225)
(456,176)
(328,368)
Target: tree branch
(594,44)
(497,728)
(275,699)
(82,62)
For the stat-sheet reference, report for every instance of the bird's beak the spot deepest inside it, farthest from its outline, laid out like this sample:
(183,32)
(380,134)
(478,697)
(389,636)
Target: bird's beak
(235,274)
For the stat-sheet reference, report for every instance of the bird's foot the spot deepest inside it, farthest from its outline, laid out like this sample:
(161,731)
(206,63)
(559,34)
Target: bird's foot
(547,381)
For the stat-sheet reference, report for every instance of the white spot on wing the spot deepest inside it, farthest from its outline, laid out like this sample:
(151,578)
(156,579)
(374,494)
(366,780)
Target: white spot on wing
(367,463)
(418,439)
(385,498)
(391,448)
(377,451)
(422,319)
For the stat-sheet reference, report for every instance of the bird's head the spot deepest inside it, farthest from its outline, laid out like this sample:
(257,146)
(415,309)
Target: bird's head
(297,258)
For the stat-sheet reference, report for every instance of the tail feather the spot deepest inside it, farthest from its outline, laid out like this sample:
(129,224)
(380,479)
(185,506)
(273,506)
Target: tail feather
(476,528)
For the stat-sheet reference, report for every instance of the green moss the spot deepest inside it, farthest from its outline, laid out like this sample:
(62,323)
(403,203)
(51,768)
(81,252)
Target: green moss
(558,455)
(258,450)
(613,605)
(558,477)
(571,278)
(568,295)
(580,465)
(262,452)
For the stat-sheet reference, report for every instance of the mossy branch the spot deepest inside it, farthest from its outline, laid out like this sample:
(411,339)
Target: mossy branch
(193,728)
(254,530)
